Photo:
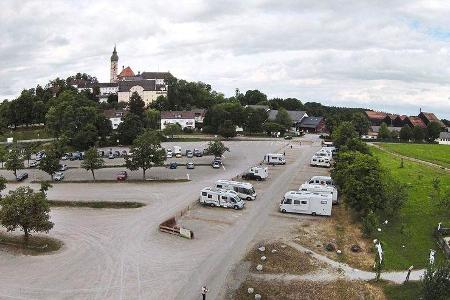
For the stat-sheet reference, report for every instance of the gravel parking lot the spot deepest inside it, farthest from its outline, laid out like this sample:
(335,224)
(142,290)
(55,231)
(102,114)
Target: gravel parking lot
(120,254)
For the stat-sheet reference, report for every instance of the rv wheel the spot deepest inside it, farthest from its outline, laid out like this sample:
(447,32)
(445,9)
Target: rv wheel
(212,205)
(283,211)
(248,199)
(313,214)
(236,207)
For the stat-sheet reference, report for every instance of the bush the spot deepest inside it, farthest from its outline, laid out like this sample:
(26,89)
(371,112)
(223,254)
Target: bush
(188,130)
(369,224)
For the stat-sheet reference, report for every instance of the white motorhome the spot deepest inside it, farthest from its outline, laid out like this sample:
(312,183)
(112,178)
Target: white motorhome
(244,190)
(259,171)
(176,150)
(274,159)
(306,203)
(221,198)
(320,161)
(320,189)
(324,180)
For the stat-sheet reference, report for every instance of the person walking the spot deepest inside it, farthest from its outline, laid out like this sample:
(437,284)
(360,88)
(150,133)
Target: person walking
(409,273)
(204,291)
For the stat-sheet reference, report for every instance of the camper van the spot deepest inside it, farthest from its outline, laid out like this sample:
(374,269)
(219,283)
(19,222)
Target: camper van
(256,173)
(221,198)
(323,180)
(306,203)
(274,159)
(320,189)
(177,151)
(320,161)
(325,152)
(244,190)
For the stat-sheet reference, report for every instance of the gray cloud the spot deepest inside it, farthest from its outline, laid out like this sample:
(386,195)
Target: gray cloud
(389,55)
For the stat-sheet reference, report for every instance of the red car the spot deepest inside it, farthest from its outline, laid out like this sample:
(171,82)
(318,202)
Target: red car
(122,176)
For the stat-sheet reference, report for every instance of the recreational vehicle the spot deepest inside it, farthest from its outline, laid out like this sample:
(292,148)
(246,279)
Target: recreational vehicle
(274,159)
(320,161)
(244,190)
(177,151)
(306,203)
(221,198)
(320,189)
(256,173)
(324,180)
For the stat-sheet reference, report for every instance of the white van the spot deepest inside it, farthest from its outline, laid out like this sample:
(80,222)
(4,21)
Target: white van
(324,180)
(320,189)
(306,203)
(274,159)
(257,172)
(177,151)
(221,198)
(244,190)
(320,161)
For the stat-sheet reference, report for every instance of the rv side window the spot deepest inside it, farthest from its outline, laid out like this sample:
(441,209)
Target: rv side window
(304,202)
(219,186)
(203,193)
(224,197)
(287,201)
(329,182)
(236,189)
(323,202)
(296,202)
(304,189)
(209,196)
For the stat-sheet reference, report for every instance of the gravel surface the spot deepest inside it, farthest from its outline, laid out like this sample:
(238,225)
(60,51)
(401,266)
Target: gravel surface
(120,254)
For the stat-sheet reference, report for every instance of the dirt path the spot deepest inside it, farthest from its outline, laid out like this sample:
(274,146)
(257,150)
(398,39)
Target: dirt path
(429,164)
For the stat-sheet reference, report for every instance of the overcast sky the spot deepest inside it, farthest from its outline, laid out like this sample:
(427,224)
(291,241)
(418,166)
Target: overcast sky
(388,55)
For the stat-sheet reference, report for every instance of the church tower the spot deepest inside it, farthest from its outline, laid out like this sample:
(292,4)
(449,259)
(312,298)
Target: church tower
(114,66)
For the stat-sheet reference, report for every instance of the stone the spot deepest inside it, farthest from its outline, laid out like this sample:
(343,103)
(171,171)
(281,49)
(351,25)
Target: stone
(355,248)
(330,247)
(338,251)
(263,258)
(262,249)
(283,246)
(250,290)
(257,297)
(259,267)
(274,251)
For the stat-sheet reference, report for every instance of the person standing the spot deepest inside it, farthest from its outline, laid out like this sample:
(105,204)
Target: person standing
(204,291)
(409,273)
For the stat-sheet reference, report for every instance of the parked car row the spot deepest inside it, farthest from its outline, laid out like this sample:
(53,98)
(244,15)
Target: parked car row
(176,152)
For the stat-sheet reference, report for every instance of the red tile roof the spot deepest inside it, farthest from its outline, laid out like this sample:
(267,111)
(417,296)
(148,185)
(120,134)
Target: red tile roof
(177,115)
(375,115)
(416,121)
(127,72)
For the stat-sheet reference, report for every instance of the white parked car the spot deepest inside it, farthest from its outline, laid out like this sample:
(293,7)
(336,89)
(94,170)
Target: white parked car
(58,176)
(63,167)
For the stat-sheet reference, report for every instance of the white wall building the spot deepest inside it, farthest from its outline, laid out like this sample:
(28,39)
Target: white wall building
(444,138)
(115,117)
(186,119)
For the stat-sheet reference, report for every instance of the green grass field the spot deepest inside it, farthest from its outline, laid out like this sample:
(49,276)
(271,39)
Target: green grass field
(438,154)
(418,217)
(25,134)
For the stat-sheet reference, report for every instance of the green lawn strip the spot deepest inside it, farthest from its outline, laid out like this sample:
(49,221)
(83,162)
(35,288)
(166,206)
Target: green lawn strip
(414,226)
(406,291)
(434,153)
(26,134)
(96,204)
(36,244)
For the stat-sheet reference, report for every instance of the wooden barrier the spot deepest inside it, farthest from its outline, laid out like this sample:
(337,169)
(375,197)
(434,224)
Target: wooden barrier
(171,226)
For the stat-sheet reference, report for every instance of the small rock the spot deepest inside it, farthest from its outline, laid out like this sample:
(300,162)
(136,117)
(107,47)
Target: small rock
(330,247)
(379,229)
(259,267)
(257,297)
(338,251)
(274,251)
(283,246)
(262,249)
(355,248)
(250,290)
(263,258)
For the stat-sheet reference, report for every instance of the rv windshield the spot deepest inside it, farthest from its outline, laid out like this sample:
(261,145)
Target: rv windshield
(247,191)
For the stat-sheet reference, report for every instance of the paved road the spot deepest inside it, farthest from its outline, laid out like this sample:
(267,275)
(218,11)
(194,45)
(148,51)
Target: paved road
(120,254)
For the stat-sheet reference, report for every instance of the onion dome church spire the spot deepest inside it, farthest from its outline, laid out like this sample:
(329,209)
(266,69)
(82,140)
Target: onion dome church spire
(114,65)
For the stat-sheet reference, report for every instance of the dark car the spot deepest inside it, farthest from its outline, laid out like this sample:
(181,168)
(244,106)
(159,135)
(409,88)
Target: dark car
(122,176)
(22,177)
(198,153)
(251,176)
(173,165)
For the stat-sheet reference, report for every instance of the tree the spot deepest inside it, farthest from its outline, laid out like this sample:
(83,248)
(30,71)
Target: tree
(216,148)
(227,129)
(436,282)
(283,119)
(50,163)
(112,98)
(3,182)
(253,97)
(45,186)
(254,120)
(172,129)
(361,123)
(92,161)
(343,133)
(136,105)
(418,134)
(152,119)
(14,161)
(3,154)
(271,127)
(28,151)
(25,209)
(384,133)
(433,130)
(129,129)
(405,133)
(146,152)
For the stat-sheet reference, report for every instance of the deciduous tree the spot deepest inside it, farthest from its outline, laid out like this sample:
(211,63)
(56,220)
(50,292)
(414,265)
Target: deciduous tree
(216,148)
(92,161)
(50,163)
(14,161)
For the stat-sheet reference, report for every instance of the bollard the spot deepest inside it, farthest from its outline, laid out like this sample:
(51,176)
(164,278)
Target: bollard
(187,176)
